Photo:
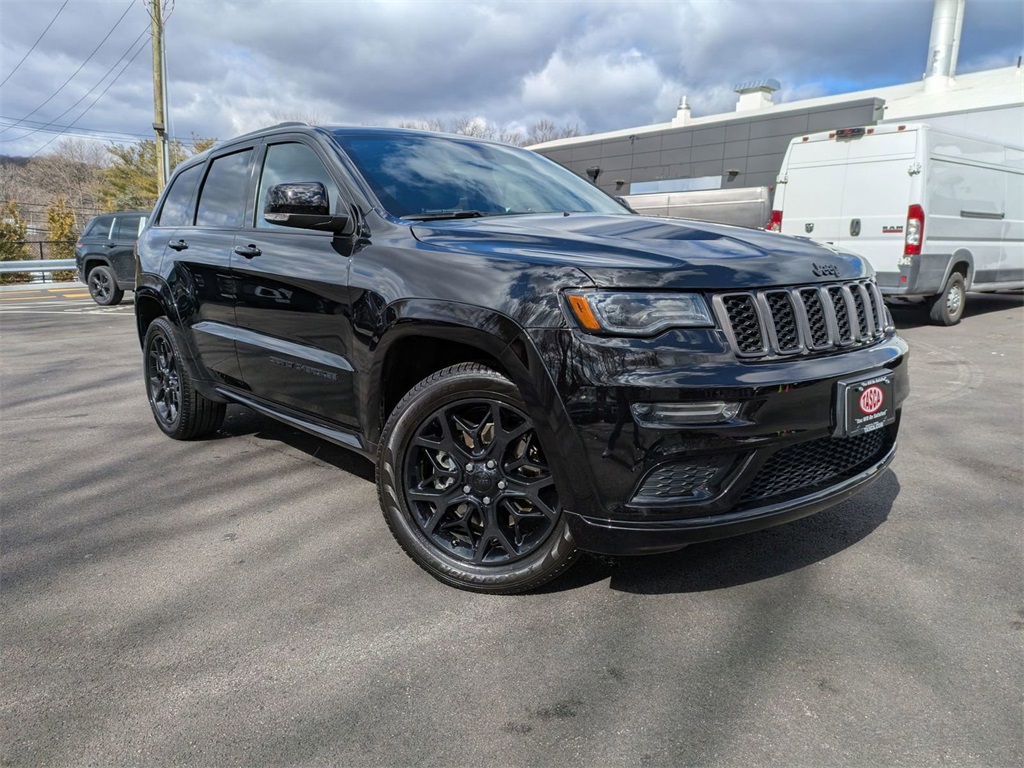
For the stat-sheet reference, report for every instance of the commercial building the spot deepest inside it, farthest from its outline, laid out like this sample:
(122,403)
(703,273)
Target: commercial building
(744,148)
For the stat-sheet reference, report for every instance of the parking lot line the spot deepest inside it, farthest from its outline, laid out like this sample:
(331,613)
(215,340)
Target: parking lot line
(25,298)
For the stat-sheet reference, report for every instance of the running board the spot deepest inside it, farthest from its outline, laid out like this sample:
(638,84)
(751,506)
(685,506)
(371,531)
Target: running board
(337,436)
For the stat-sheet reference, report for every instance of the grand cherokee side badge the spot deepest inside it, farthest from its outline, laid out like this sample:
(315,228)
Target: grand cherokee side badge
(825,270)
(809,227)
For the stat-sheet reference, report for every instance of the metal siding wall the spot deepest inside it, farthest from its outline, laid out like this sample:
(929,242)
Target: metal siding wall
(753,145)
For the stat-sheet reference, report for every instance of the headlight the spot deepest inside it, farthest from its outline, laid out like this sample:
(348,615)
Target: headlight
(638,314)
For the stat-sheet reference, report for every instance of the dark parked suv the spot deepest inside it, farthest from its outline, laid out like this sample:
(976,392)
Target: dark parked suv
(534,369)
(105,254)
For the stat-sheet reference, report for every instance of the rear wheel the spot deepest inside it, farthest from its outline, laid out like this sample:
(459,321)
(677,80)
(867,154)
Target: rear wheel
(179,409)
(103,286)
(948,307)
(465,487)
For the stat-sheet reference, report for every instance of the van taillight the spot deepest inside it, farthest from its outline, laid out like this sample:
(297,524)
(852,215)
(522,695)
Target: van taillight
(915,231)
(775,222)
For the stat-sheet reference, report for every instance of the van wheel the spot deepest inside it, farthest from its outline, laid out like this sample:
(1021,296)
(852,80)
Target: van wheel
(103,286)
(948,306)
(180,410)
(465,487)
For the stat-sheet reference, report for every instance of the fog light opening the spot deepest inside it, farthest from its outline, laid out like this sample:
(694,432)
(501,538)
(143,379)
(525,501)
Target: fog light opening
(667,415)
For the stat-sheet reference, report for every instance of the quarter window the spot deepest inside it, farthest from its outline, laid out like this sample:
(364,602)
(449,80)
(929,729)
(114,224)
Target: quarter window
(100,227)
(127,228)
(176,211)
(222,199)
(292,163)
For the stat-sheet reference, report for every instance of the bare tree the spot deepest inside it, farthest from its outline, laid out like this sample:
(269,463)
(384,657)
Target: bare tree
(542,130)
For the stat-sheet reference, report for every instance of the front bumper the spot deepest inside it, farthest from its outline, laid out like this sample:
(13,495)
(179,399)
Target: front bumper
(633,489)
(617,537)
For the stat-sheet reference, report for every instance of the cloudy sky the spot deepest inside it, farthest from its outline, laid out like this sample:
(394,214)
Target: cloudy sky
(605,65)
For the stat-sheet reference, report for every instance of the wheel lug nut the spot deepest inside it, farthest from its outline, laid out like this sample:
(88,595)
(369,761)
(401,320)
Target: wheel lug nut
(491,464)
(487,499)
(501,485)
(466,489)
(469,467)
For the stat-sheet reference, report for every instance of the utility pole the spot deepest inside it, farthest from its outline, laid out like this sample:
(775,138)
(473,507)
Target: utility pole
(159,96)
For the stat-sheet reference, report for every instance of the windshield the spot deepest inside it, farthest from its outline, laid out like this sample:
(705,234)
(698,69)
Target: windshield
(427,177)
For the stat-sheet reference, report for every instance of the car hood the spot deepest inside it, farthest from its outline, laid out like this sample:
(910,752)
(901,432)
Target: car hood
(648,252)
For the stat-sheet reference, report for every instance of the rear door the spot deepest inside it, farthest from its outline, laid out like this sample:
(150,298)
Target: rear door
(294,328)
(125,232)
(814,182)
(201,250)
(880,175)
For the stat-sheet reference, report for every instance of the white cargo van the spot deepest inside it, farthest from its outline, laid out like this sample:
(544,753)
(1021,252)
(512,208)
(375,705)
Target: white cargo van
(935,213)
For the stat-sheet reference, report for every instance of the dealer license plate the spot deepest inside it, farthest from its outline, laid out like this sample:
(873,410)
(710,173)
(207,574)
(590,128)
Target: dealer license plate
(864,404)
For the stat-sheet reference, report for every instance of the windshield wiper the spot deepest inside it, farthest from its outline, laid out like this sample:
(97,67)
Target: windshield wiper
(434,215)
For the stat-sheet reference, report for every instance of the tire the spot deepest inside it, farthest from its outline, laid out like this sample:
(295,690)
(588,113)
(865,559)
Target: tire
(948,307)
(103,286)
(180,410)
(465,488)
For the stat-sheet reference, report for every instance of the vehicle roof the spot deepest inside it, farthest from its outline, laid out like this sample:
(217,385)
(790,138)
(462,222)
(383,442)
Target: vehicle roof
(120,213)
(331,130)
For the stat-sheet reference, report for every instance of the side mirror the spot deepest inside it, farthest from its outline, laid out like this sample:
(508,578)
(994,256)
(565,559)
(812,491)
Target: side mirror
(302,205)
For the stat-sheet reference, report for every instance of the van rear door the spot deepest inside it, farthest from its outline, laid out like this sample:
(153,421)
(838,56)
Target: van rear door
(814,179)
(879,186)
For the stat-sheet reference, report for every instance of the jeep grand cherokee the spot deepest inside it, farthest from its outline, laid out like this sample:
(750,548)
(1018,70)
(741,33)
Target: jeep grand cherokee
(534,369)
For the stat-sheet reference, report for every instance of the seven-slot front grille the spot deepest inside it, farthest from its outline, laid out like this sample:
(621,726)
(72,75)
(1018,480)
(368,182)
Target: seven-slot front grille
(805,319)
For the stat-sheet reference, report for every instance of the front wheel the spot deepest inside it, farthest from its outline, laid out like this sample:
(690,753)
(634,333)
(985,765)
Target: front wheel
(103,286)
(948,307)
(466,488)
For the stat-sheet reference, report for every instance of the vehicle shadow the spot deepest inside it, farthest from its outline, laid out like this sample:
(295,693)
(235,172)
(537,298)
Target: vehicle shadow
(743,559)
(915,315)
(698,568)
(241,421)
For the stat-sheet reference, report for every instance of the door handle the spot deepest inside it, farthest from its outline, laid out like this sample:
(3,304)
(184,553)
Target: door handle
(110,245)
(249,251)
(178,245)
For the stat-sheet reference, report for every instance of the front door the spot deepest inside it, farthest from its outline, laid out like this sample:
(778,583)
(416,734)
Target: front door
(293,321)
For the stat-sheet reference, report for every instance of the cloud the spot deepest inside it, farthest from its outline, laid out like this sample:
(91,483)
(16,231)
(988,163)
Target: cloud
(234,66)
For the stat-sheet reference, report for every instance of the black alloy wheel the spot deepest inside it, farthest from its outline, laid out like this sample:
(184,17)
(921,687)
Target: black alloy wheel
(164,381)
(103,286)
(465,485)
(478,484)
(180,410)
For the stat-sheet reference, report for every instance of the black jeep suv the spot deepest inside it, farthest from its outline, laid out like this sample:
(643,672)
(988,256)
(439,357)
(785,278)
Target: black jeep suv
(534,369)
(105,254)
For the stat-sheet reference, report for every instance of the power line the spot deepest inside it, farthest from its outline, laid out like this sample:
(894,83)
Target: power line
(83,98)
(93,104)
(34,45)
(50,98)
(91,133)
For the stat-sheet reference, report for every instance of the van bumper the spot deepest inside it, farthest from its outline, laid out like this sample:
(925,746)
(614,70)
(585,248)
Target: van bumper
(924,276)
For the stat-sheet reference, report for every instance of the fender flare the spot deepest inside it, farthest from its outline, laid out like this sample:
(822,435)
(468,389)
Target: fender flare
(964,255)
(499,337)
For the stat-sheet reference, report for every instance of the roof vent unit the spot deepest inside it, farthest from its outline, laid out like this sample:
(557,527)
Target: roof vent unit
(682,113)
(756,94)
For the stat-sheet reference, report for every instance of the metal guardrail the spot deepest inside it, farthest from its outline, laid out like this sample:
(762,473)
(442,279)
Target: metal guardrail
(36,265)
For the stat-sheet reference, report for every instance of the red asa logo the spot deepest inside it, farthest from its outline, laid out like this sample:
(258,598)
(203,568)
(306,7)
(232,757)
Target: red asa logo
(871,399)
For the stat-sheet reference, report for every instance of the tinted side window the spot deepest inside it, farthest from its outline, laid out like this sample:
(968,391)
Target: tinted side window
(98,227)
(222,199)
(127,228)
(176,211)
(292,163)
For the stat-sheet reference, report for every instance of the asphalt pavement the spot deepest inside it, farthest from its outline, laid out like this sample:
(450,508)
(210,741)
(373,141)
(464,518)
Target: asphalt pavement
(239,600)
